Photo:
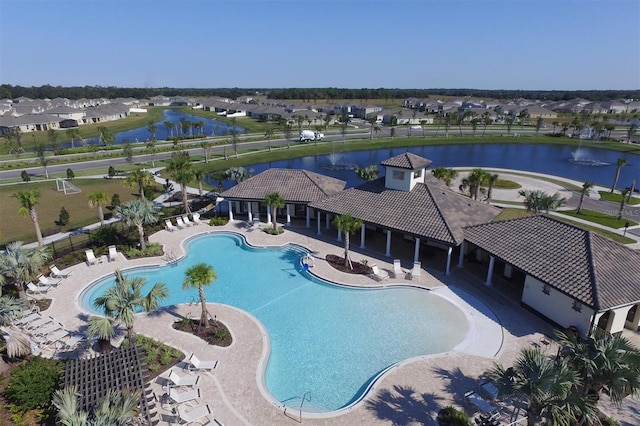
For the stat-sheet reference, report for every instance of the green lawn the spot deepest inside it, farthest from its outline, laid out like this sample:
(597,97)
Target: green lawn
(14,227)
(506,184)
(617,198)
(599,218)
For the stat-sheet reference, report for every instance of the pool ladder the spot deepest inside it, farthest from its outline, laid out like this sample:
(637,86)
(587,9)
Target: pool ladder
(305,397)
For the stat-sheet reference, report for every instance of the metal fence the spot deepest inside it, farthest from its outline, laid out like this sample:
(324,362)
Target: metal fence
(81,240)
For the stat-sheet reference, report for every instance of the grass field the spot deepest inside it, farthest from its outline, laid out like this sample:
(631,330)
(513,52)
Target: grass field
(599,218)
(617,198)
(14,227)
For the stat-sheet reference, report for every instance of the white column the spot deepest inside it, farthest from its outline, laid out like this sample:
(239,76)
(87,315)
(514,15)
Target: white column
(327,224)
(508,270)
(288,215)
(249,205)
(339,235)
(461,258)
(362,235)
(449,251)
(318,223)
(388,249)
(268,214)
(230,210)
(416,250)
(492,261)
(308,218)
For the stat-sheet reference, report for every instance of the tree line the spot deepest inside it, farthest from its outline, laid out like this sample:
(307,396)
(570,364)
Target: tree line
(8,91)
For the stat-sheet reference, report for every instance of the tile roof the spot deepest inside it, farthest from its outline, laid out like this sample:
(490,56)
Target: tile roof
(407,161)
(596,271)
(431,210)
(299,186)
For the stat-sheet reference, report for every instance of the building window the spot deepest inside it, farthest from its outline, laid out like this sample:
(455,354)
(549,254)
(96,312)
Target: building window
(417,174)
(546,289)
(398,174)
(577,306)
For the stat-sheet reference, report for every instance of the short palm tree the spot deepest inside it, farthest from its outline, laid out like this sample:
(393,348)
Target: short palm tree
(16,342)
(585,190)
(275,201)
(199,276)
(537,201)
(368,173)
(620,163)
(122,301)
(141,179)
(99,199)
(347,224)
(550,388)
(22,264)
(181,171)
(105,329)
(445,175)
(117,408)
(491,180)
(28,201)
(138,213)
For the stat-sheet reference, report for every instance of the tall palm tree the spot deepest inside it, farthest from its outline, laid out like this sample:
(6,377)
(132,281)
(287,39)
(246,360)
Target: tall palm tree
(22,264)
(181,170)
(275,201)
(631,131)
(550,388)
(122,301)
(198,175)
(141,179)
(491,180)
(606,363)
(28,201)
(537,201)
(585,190)
(268,133)
(347,224)
(169,126)
(117,408)
(620,163)
(138,213)
(152,150)
(623,201)
(198,276)
(99,199)
(206,148)
(72,134)
(152,130)
(444,174)
(474,182)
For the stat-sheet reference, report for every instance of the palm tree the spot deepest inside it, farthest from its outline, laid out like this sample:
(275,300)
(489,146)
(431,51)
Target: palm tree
(17,344)
(447,125)
(198,175)
(550,388)
(539,123)
(606,363)
(623,201)
(444,174)
(620,163)
(537,201)
(585,190)
(631,131)
(152,149)
(152,129)
(117,408)
(198,276)
(347,224)
(238,174)
(99,199)
(181,171)
(509,119)
(138,213)
(206,148)
(268,133)
(486,120)
(122,301)
(368,173)
(275,201)
(28,201)
(72,134)
(473,182)
(169,126)
(105,329)
(491,180)
(22,264)
(141,179)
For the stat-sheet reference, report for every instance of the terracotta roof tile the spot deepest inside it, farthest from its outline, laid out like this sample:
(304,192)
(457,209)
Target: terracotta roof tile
(407,160)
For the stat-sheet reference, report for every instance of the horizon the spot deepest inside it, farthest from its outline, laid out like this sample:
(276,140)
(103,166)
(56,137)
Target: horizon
(487,45)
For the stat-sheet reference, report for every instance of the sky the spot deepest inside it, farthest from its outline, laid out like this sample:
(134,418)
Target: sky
(480,44)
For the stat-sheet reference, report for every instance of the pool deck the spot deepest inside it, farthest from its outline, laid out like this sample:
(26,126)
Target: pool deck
(411,392)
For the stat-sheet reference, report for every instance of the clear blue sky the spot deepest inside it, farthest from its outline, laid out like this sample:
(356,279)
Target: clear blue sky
(508,44)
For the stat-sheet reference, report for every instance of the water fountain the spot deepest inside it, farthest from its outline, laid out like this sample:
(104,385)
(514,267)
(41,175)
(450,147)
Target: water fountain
(335,164)
(580,156)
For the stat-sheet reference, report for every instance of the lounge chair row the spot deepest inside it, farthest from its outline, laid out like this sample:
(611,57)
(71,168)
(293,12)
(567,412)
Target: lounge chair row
(45,283)
(183,222)
(92,259)
(414,273)
(46,332)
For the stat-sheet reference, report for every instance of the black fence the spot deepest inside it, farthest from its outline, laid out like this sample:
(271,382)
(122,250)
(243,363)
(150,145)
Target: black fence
(82,240)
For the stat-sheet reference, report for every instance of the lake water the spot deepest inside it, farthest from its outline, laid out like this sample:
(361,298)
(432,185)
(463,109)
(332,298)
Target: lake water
(586,164)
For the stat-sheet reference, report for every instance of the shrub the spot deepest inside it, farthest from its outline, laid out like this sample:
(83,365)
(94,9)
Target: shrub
(70,174)
(111,172)
(105,235)
(32,384)
(63,218)
(451,416)
(269,230)
(152,249)
(218,221)
(25,176)
(149,193)
(115,200)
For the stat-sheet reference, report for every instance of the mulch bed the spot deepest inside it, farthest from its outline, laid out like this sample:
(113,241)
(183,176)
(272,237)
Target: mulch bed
(338,263)
(217,334)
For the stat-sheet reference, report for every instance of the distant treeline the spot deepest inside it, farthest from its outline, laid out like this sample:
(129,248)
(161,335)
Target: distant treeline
(8,91)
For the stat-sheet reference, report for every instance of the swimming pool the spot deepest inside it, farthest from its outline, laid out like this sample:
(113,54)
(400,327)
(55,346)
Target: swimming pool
(326,339)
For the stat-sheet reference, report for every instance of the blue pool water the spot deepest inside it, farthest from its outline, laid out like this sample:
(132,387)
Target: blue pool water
(329,340)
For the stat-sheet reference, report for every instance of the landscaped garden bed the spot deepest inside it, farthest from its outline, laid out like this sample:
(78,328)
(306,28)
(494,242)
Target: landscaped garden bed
(217,334)
(358,267)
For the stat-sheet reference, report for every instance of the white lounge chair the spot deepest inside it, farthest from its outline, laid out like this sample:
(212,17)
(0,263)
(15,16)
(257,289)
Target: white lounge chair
(56,273)
(377,274)
(178,380)
(37,289)
(180,397)
(196,364)
(48,281)
(40,322)
(180,223)
(416,271)
(196,218)
(189,416)
(54,337)
(186,220)
(113,253)
(398,272)
(47,329)
(91,257)
(169,225)
(473,399)
(27,319)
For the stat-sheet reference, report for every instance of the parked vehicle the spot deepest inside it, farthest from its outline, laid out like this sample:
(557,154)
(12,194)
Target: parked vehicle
(310,135)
